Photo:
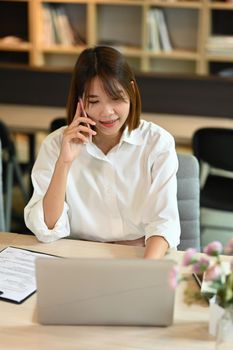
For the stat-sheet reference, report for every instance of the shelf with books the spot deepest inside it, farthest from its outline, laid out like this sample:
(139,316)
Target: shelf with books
(61,29)
(154,35)
(64,24)
(173,34)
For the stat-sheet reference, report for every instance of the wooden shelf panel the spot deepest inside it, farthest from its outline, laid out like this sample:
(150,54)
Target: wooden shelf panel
(175,54)
(17,0)
(64,1)
(176,4)
(16,47)
(120,2)
(220,6)
(130,52)
(219,58)
(61,49)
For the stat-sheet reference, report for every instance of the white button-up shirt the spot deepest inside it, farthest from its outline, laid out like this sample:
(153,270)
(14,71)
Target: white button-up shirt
(124,195)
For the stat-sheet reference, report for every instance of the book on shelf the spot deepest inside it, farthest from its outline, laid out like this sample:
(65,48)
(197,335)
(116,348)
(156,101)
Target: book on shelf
(163,30)
(77,28)
(66,33)
(55,24)
(57,27)
(153,32)
(48,32)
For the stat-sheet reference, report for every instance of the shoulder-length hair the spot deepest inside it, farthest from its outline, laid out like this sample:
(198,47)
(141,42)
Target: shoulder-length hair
(110,66)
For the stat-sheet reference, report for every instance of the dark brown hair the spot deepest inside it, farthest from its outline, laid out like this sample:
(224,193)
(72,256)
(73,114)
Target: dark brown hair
(112,69)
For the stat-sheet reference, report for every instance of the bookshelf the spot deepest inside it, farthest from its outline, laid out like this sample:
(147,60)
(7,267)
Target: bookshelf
(32,37)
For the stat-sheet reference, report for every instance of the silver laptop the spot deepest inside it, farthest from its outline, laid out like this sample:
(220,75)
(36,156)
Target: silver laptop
(90,291)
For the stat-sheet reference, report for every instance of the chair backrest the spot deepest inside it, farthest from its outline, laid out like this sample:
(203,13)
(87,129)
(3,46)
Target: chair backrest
(2,217)
(6,140)
(57,123)
(214,146)
(188,195)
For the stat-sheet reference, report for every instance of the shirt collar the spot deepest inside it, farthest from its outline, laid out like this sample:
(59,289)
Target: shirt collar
(134,137)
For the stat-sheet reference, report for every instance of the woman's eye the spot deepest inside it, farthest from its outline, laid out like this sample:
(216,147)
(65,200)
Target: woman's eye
(92,102)
(120,99)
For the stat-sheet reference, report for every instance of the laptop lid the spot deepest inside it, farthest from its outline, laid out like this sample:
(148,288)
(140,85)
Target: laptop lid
(86,291)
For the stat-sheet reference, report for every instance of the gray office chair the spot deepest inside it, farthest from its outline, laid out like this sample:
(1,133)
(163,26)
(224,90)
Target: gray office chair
(12,173)
(188,193)
(2,217)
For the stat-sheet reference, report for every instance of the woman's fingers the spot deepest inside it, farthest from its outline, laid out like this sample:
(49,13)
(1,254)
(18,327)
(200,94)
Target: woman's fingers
(81,137)
(79,133)
(84,120)
(80,118)
(80,128)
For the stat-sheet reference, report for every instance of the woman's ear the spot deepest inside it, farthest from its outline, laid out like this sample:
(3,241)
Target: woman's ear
(133,86)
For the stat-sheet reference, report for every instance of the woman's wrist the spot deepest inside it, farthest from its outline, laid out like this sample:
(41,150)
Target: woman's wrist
(156,247)
(63,165)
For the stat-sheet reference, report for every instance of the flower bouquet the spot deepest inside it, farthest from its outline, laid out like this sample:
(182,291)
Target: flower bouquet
(217,284)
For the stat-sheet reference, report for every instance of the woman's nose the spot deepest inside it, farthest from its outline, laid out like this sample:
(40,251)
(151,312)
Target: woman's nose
(108,109)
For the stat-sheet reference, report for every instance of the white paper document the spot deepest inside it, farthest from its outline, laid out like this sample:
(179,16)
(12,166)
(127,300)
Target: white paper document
(17,273)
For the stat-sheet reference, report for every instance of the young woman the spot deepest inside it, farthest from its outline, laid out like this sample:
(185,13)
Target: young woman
(108,176)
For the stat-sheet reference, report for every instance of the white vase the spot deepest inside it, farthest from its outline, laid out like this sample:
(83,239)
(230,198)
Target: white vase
(224,338)
(215,314)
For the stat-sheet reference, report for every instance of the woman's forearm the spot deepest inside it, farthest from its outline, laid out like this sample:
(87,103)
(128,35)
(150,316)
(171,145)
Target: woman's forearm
(53,202)
(156,247)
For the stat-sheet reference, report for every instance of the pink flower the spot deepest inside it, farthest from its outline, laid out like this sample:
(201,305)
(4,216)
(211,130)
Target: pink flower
(213,273)
(214,248)
(174,277)
(229,247)
(189,257)
(201,265)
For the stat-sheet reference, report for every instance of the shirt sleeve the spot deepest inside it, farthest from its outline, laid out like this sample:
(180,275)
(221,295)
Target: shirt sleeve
(41,176)
(161,217)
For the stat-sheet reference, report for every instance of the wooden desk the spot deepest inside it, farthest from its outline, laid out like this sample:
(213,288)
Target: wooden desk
(29,120)
(32,119)
(19,328)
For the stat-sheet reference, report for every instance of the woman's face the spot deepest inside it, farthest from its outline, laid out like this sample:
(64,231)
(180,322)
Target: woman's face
(109,114)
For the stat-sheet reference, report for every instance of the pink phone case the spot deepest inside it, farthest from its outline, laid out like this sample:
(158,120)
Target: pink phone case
(85,115)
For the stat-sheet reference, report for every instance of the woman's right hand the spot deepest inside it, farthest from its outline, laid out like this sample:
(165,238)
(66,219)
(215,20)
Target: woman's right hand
(76,134)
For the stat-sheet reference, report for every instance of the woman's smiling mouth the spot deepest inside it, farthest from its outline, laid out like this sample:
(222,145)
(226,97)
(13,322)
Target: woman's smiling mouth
(109,123)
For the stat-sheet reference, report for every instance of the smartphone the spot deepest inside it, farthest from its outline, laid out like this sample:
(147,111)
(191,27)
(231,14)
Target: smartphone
(85,115)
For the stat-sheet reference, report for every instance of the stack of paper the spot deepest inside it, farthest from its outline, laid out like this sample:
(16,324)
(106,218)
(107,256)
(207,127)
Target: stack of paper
(17,273)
